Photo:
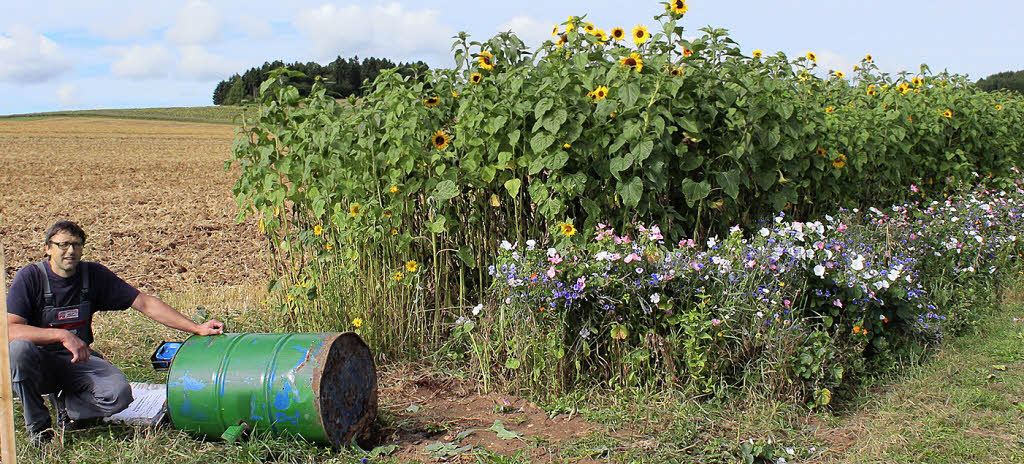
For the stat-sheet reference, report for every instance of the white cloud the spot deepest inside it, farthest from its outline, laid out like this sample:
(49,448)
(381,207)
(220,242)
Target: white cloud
(254,28)
(196,63)
(832,61)
(530,31)
(132,25)
(143,62)
(27,57)
(198,22)
(67,95)
(381,30)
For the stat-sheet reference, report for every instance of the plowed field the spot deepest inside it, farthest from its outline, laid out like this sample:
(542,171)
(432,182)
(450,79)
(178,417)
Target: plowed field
(153,196)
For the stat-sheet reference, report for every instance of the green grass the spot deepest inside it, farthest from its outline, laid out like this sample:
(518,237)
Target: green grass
(959,407)
(207,114)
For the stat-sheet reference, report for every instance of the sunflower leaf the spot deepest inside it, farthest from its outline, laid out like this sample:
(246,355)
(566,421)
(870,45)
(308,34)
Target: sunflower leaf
(499,427)
(542,107)
(695,191)
(446,190)
(541,141)
(513,185)
(642,150)
(555,119)
(730,182)
(631,192)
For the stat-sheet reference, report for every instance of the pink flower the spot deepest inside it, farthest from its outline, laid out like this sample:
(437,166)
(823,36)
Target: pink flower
(555,259)
(819,245)
(841,227)
(632,257)
(656,233)
(838,303)
(614,257)
(715,322)
(786,303)
(581,283)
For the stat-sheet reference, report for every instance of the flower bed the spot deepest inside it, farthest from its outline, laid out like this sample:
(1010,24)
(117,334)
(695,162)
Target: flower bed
(794,307)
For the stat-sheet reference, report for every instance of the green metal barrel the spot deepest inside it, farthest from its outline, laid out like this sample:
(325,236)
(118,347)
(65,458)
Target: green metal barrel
(322,387)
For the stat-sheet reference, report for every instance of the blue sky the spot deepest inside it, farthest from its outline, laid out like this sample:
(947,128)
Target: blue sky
(57,55)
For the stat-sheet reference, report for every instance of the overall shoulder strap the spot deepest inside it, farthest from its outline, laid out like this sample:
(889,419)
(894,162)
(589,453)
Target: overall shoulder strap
(83,267)
(47,293)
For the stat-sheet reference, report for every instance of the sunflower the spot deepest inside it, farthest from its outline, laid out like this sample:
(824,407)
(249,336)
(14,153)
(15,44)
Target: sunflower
(567,229)
(475,78)
(678,7)
(871,90)
(411,266)
(758,53)
(589,27)
(820,151)
(999,107)
(441,139)
(432,101)
(839,161)
(868,58)
(393,189)
(687,51)
(618,33)
(353,210)
(634,61)
(562,40)
(676,72)
(455,94)
(811,56)
(486,60)
(601,35)
(599,93)
(398,276)
(840,74)
(830,109)
(917,81)
(317,230)
(640,34)
(570,24)
(903,88)
(554,32)
(947,113)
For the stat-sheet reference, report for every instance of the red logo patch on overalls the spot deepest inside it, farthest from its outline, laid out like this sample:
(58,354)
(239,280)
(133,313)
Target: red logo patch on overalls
(67,315)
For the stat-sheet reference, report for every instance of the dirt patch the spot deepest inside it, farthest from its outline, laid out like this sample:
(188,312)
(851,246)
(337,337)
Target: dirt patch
(153,197)
(431,418)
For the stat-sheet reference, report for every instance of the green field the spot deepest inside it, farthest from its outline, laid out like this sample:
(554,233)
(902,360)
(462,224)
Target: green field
(207,114)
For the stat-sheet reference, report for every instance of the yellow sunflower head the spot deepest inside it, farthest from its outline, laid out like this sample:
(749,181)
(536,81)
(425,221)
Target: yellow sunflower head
(432,101)
(830,109)
(820,151)
(811,56)
(393,189)
(476,78)
(411,266)
(599,93)
(675,72)
(640,34)
(678,7)
(618,33)
(917,81)
(486,60)
(758,53)
(562,40)
(353,210)
(839,161)
(999,107)
(570,24)
(947,113)
(868,58)
(635,61)
(554,32)
(687,52)
(317,230)
(840,74)
(398,276)
(601,35)
(589,27)
(567,229)
(440,139)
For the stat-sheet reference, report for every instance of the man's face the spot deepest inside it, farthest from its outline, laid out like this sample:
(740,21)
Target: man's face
(65,251)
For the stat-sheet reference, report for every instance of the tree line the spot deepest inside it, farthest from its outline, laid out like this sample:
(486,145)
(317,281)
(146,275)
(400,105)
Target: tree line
(343,78)
(1006,80)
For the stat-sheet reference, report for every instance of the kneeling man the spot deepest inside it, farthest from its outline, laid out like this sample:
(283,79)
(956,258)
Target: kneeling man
(50,308)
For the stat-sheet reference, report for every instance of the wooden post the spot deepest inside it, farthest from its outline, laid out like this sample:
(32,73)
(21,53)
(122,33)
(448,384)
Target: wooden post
(6,395)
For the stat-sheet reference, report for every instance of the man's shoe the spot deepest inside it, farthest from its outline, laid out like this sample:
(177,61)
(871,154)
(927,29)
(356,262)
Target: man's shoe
(40,439)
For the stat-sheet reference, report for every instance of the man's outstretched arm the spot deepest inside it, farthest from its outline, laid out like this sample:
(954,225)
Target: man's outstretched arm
(163,313)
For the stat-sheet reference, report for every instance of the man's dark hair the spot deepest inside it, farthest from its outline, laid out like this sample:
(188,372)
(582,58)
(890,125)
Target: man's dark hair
(66,226)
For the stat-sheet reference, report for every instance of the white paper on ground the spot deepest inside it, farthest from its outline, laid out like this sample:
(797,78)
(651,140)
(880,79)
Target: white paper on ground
(149,407)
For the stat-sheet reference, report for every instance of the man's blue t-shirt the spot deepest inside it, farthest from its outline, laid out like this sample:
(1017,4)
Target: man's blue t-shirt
(107,292)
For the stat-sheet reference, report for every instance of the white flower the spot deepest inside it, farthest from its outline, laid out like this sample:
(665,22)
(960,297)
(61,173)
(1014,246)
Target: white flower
(882,284)
(760,314)
(584,332)
(655,298)
(894,274)
(712,242)
(601,255)
(505,245)
(477,309)
(858,263)
(462,320)
(734,229)
(979,239)
(552,252)
(819,270)
(530,244)
(1013,238)
(765,232)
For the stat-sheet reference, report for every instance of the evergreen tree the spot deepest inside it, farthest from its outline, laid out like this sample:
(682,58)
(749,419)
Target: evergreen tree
(1006,80)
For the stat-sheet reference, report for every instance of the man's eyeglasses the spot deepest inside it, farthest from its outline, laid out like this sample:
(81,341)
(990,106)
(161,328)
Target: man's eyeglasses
(65,245)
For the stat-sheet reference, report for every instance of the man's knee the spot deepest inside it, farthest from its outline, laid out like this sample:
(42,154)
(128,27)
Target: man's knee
(115,398)
(25,359)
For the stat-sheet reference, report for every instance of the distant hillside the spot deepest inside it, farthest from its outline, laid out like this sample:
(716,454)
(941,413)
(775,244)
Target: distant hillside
(208,114)
(342,78)
(1006,80)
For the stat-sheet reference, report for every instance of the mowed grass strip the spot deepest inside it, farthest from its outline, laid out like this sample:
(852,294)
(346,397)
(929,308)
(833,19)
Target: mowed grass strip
(963,405)
(206,114)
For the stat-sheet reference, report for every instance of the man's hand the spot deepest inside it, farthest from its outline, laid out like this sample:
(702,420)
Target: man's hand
(79,350)
(210,327)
